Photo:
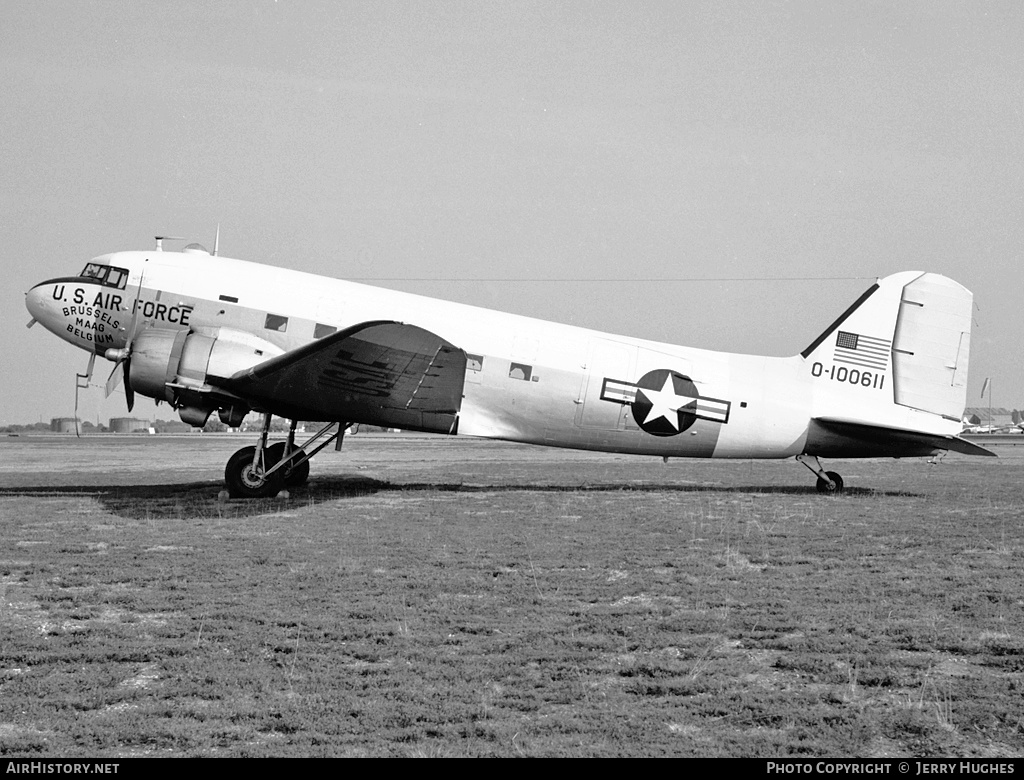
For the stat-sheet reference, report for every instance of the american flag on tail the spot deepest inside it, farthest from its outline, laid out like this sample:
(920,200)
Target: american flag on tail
(855,349)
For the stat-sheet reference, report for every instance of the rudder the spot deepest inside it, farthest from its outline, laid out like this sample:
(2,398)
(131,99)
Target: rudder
(931,347)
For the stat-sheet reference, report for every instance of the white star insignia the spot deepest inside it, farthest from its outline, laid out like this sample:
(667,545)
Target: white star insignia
(665,403)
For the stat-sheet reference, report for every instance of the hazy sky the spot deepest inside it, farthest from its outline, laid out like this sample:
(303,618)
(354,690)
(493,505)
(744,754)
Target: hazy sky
(790,152)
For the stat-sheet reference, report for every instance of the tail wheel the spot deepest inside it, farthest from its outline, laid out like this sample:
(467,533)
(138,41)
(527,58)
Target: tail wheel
(835,487)
(244,481)
(294,476)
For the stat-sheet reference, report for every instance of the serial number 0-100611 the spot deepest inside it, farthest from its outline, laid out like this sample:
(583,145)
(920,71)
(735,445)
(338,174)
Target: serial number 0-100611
(851,376)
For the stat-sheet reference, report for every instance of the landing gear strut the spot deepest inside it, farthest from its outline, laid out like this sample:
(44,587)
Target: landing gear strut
(264,470)
(296,470)
(828,481)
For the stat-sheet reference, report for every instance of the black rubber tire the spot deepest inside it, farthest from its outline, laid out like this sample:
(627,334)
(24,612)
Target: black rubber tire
(824,487)
(243,482)
(296,476)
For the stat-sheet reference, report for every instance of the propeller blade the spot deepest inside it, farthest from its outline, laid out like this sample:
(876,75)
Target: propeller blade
(120,372)
(115,377)
(124,356)
(135,314)
(129,391)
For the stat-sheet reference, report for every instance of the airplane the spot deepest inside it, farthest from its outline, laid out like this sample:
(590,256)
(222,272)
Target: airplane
(972,424)
(208,334)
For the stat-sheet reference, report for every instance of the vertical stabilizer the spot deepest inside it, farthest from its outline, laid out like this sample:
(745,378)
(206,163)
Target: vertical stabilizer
(901,349)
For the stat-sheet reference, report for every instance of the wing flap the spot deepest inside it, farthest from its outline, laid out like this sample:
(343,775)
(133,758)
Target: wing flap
(380,373)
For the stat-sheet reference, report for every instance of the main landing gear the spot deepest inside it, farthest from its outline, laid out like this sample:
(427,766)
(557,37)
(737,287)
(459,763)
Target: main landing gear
(828,481)
(265,470)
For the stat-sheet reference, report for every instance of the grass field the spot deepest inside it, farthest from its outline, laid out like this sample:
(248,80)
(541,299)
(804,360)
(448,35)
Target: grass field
(434,597)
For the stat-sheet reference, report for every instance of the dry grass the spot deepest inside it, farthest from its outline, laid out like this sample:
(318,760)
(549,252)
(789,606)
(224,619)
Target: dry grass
(430,597)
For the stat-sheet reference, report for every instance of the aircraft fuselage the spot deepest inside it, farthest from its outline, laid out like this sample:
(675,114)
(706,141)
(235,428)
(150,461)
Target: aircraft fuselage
(527,380)
(877,382)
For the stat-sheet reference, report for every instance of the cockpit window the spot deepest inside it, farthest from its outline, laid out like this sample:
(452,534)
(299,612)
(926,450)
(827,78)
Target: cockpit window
(107,275)
(117,277)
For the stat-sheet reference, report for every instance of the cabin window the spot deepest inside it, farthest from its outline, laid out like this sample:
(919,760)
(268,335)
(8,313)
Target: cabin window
(474,362)
(320,330)
(229,298)
(276,322)
(520,371)
(107,275)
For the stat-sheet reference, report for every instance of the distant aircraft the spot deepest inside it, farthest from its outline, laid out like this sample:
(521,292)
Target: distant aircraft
(211,334)
(973,424)
(1018,423)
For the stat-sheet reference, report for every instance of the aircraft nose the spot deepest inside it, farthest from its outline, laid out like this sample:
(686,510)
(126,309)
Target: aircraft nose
(36,303)
(47,303)
(79,311)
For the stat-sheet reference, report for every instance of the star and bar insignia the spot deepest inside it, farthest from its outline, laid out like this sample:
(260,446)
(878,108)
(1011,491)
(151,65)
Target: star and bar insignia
(664,402)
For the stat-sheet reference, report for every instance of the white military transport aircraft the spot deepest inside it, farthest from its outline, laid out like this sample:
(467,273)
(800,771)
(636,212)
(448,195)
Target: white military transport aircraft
(210,334)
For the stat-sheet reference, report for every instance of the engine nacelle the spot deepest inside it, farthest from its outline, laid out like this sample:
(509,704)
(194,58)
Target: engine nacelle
(172,365)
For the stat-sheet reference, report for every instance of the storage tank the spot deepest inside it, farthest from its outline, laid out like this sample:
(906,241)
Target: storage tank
(128,425)
(64,425)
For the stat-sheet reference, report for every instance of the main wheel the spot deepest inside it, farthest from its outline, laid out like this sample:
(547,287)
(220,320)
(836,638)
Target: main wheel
(244,481)
(835,487)
(294,476)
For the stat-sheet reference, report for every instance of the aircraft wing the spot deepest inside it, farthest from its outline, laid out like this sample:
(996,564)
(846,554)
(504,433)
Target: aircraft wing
(888,441)
(380,372)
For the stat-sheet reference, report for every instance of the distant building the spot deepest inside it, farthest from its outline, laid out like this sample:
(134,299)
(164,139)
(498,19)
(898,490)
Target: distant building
(128,425)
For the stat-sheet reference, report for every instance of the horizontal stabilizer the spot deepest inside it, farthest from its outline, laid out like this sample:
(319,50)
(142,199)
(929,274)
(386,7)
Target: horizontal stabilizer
(828,436)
